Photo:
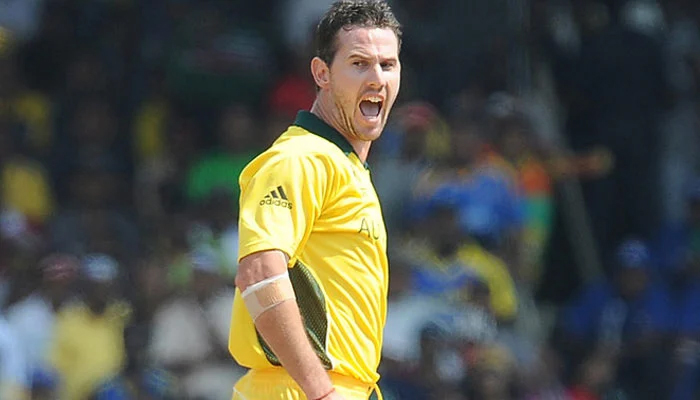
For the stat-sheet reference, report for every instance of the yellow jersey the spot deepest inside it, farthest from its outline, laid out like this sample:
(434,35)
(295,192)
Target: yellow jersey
(88,349)
(473,259)
(310,196)
(494,272)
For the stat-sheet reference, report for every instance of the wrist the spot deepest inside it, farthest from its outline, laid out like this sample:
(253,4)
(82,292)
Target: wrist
(325,396)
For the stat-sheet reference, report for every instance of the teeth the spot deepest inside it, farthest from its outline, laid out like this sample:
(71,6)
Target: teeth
(374,99)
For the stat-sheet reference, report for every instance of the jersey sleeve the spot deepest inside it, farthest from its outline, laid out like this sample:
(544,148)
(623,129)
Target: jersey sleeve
(279,204)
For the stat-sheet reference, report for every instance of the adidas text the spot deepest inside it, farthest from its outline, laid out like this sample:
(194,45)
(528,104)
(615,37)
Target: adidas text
(277,197)
(269,201)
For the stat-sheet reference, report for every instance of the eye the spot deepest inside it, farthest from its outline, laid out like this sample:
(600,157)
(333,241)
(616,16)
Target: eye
(359,63)
(388,65)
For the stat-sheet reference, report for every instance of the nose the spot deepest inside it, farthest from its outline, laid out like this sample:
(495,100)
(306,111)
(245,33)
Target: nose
(375,77)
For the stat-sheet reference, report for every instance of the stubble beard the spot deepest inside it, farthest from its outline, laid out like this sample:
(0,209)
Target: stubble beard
(345,119)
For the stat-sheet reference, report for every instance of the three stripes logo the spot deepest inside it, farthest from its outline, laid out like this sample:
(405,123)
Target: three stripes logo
(276,197)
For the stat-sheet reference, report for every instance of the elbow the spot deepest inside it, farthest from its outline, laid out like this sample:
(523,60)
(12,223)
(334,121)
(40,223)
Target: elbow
(258,267)
(248,274)
(240,281)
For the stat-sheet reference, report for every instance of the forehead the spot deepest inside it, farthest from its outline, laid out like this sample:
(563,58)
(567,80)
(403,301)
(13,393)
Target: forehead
(369,41)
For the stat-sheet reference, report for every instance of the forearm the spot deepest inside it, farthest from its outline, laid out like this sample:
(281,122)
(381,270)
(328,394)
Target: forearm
(283,330)
(261,279)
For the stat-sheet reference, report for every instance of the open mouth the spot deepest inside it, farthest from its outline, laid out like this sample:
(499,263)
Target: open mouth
(371,106)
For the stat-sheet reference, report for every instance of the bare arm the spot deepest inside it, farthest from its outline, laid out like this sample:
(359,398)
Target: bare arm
(282,326)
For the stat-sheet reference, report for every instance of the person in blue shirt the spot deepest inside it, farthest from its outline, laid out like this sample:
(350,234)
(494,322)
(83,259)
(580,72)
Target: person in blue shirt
(686,378)
(479,185)
(675,239)
(629,316)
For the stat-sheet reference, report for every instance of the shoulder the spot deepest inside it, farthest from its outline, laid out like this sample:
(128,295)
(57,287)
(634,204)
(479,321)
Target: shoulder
(26,309)
(297,142)
(71,311)
(477,256)
(296,148)
(120,311)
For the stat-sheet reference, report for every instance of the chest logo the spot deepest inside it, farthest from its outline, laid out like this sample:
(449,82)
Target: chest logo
(370,228)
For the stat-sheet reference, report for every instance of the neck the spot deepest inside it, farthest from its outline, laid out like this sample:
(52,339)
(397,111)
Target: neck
(361,147)
(55,304)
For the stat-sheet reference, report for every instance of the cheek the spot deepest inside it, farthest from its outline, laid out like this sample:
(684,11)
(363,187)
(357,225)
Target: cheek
(394,83)
(344,95)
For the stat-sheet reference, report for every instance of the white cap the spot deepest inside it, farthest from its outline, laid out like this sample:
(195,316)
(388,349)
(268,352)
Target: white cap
(100,267)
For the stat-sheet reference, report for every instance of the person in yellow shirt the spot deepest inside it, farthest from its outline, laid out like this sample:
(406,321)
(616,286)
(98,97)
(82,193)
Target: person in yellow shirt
(311,295)
(25,183)
(449,255)
(89,343)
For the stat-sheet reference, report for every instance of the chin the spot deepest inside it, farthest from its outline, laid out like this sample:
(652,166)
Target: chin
(370,136)
(370,133)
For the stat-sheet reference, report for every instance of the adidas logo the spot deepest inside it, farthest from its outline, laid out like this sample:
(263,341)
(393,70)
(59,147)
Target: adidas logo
(276,197)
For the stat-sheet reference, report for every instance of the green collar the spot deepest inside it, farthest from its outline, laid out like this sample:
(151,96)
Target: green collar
(317,126)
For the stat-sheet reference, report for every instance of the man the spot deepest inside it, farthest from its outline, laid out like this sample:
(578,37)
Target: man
(33,318)
(199,316)
(312,281)
(14,383)
(629,317)
(88,346)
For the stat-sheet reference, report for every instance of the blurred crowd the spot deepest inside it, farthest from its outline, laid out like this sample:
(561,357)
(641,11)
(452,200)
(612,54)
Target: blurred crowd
(539,178)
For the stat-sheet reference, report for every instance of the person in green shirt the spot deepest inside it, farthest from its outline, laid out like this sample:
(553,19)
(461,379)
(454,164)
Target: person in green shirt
(220,168)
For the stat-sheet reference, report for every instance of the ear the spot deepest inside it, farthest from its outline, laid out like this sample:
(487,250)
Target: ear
(321,72)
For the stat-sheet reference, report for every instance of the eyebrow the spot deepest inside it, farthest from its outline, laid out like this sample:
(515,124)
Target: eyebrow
(360,54)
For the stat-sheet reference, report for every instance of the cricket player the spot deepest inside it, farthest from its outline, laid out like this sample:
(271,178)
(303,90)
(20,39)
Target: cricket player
(311,293)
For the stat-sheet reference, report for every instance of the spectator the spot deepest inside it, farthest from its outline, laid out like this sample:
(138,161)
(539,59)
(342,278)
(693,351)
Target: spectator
(543,380)
(138,379)
(198,317)
(25,184)
(465,265)
(219,230)
(93,143)
(396,177)
(515,140)
(408,311)
(151,287)
(14,377)
(682,61)
(485,195)
(622,87)
(89,341)
(298,17)
(423,378)
(687,346)
(630,318)
(294,91)
(160,178)
(152,121)
(94,221)
(34,317)
(220,169)
(675,241)
(493,375)
(596,379)
(217,56)
(29,111)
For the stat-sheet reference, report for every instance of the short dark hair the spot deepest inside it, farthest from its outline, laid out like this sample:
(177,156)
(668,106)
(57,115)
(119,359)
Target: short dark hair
(345,14)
